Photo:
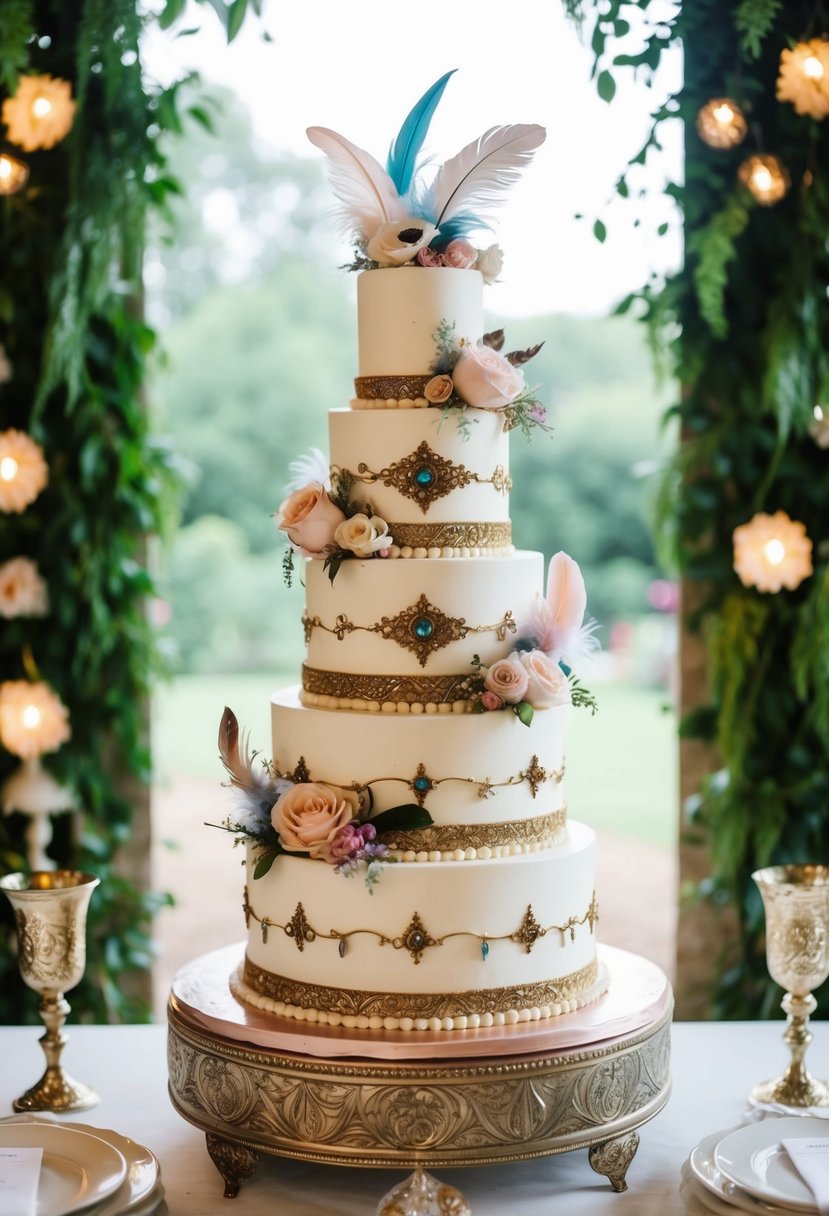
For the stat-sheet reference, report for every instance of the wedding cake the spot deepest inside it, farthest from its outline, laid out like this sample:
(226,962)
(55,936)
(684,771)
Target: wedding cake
(411,864)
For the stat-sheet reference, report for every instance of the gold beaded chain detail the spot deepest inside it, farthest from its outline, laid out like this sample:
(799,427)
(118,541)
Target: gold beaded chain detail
(421,628)
(424,476)
(387,689)
(416,938)
(421,784)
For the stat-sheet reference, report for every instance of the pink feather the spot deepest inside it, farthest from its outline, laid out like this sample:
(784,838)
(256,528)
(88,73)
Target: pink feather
(556,624)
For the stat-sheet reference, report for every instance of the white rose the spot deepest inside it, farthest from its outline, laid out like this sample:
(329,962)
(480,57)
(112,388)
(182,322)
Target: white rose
(548,685)
(363,536)
(490,263)
(396,243)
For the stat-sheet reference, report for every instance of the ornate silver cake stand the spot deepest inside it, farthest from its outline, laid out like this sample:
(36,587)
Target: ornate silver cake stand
(268,1085)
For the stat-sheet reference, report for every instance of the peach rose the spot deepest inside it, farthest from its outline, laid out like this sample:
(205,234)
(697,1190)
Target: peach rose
(485,379)
(399,241)
(439,389)
(363,536)
(460,254)
(508,680)
(310,518)
(547,683)
(308,816)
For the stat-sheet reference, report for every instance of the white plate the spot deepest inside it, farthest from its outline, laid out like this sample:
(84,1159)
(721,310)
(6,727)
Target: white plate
(77,1170)
(754,1158)
(704,1168)
(142,1183)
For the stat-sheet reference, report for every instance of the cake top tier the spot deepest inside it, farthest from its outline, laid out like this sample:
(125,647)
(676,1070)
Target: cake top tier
(396,217)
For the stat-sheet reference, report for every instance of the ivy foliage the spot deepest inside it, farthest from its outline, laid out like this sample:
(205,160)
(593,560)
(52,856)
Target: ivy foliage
(744,327)
(71,328)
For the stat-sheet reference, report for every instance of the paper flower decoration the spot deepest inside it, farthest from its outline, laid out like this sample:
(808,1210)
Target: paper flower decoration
(772,551)
(33,719)
(5,366)
(721,123)
(22,590)
(23,471)
(765,177)
(804,77)
(40,113)
(819,429)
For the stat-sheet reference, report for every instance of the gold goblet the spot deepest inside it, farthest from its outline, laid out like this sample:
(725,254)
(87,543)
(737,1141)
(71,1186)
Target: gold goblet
(50,913)
(796,901)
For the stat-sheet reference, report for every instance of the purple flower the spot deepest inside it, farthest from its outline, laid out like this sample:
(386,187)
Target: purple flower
(537,412)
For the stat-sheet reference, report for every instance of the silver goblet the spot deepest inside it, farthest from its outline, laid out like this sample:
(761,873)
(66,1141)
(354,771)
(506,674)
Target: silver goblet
(50,914)
(796,901)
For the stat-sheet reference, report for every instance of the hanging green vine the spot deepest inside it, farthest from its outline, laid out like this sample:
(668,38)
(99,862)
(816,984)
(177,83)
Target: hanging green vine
(74,349)
(751,313)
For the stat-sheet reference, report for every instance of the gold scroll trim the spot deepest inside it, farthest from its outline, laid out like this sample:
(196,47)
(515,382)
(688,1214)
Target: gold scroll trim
(477,836)
(347,1001)
(460,535)
(390,388)
(412,690)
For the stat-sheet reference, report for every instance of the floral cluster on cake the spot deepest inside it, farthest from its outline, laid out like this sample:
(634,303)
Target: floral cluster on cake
(313,819)
(397,219)
(538,672)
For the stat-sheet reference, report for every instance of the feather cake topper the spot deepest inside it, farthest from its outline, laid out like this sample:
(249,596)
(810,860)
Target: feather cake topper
(374,201)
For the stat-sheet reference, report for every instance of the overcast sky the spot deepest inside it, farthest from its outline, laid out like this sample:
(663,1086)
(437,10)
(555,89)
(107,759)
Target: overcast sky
(359,66)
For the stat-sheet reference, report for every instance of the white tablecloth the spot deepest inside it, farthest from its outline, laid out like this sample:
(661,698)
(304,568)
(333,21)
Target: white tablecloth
(714,1066)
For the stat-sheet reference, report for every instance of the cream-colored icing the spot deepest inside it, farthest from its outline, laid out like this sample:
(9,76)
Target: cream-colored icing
(487,595)
(378,440)
(385,751)
(399,310)
(461,904)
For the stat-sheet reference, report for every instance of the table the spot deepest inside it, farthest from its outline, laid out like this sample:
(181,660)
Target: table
(714,1066)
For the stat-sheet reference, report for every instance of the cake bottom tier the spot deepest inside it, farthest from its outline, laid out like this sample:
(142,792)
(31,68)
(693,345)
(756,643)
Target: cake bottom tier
(428,946)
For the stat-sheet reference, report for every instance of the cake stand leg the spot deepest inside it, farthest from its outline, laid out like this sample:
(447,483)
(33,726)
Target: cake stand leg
(234,1162)
(612,1158)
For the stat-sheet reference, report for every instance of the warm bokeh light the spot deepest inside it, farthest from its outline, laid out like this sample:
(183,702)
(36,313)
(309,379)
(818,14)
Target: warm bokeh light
(766,178)
(14,174)
(772,552)
(721,123)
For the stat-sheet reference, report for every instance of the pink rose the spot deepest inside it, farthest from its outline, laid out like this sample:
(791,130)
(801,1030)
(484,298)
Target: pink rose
(430,257)
(491,700)
(308,816)
(460,255)
(310,518)
(439,389)
(508,680)
(348,843)
(485,379)
(548,685)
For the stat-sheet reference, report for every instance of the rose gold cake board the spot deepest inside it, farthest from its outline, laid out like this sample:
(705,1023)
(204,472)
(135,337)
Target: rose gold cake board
(638,993)
(257,1084)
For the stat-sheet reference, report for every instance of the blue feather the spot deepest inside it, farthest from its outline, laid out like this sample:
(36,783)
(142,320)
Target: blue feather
(458,226)
(403,153)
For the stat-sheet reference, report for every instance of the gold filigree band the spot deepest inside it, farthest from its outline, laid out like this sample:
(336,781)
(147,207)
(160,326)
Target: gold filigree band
(449,837)
(419,1004)
(460,535)
(421,628)
(390,388)
(406,690)
(424,476)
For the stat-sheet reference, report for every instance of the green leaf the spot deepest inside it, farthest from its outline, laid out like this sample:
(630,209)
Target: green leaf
(264,862)
(402,818)
(600,231)
(524,712)
(171,12)
(333,562)
(235,18)
(606,86)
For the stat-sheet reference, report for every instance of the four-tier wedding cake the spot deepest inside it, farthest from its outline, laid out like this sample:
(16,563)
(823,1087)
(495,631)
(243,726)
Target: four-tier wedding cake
(411,864)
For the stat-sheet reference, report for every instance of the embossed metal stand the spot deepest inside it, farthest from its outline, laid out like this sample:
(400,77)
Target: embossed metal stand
(296,1097)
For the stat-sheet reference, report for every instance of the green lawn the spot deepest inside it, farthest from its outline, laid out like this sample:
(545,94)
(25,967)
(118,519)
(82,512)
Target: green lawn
(621,764)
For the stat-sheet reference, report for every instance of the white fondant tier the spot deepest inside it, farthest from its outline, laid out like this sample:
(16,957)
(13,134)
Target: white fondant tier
(428,946)
(438,486)
(492,786)
(399,309)
(419,623)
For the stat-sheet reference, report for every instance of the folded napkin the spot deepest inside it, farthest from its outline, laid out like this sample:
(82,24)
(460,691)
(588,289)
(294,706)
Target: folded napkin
(810,1158)
(19,1178)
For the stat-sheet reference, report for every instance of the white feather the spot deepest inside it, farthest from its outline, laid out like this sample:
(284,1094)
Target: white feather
(313,466)
(476,178)
(363,187)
